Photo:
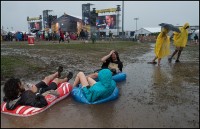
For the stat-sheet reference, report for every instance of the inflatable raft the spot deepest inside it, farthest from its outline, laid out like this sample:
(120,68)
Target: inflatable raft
(119,77)
(63,89)
(78,95)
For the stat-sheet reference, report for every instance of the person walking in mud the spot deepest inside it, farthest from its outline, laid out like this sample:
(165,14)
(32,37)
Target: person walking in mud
(196,38)
(16,94)
(61,35)
(67,37)
(180,41)
(162,46)
(110,61)
(110,36)
(86,36)
(82,35)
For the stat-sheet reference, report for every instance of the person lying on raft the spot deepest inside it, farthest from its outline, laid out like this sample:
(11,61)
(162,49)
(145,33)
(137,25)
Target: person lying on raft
(111,61)
(93,90)
(16,94)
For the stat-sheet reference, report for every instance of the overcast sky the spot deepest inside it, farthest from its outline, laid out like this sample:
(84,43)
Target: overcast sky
(150,13)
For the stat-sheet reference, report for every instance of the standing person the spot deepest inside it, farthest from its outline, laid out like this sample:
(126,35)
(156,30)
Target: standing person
(77,36)
(43,35)
(16,94)
(67,37)
(61,35)
(110,35)
(86,36)
(196,38)
(93,90)
(25,36)
(46,36)
(49,36)
(93,37)
(54,36)
(180,41)
(110,23)
(22,35)
(110,61)
(162,46)
(16,37)
(37,36)
(82,35)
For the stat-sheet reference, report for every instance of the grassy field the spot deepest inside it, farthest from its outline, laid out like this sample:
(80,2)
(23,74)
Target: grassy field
(77,46)
(15,64)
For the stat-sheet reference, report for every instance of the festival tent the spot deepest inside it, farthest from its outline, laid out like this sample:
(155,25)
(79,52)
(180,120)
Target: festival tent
(148,30)
(196,31)
(13,32)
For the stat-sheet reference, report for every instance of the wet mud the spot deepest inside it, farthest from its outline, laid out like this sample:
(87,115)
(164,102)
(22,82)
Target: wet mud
(151,96)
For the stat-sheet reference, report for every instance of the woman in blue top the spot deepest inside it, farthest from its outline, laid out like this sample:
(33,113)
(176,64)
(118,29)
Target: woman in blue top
(96,90)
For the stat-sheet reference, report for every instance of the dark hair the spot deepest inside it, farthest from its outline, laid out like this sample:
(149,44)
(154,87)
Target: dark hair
(116,53)
(12,88)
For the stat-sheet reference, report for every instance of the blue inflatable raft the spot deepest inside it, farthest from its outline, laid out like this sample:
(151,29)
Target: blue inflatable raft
(78,95)
(119,77)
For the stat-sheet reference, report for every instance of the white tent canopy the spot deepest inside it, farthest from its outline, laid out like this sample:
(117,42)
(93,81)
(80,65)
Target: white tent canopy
(148,30)
(13,31)
(196,31)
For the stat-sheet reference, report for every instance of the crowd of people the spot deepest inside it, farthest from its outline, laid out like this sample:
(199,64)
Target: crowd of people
(18,36)
(47,36)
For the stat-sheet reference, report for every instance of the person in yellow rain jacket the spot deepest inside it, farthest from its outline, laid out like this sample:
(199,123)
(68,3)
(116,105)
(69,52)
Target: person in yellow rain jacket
(180,41)
(162,46)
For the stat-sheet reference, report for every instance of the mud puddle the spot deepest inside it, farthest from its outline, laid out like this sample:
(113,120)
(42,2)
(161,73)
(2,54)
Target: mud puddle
(152,96)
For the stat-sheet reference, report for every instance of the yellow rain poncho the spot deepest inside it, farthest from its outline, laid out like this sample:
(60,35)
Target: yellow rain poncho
(180,39)
(162,47)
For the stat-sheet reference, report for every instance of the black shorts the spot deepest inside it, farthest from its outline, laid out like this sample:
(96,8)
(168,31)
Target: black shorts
(43,87)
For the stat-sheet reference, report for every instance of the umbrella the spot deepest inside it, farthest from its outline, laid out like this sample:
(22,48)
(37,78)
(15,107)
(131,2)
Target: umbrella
(170,27)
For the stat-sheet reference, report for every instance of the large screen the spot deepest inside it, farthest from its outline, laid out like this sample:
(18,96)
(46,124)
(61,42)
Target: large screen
(106,22)
(86,14)
(36,25)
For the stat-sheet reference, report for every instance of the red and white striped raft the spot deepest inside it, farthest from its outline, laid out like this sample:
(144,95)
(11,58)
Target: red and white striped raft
(63,89)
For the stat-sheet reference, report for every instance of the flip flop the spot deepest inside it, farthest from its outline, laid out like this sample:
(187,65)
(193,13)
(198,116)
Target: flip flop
(60,69)
(70,75)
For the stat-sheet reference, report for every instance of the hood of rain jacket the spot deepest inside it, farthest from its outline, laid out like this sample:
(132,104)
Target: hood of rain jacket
(105,77)
(180,39)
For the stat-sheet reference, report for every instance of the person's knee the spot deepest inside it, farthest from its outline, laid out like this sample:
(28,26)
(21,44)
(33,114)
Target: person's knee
(46,79)
(55,80)
(94,75)
(80,73)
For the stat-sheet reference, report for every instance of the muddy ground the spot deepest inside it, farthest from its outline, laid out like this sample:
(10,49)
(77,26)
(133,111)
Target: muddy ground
(72,60)
(151,96)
